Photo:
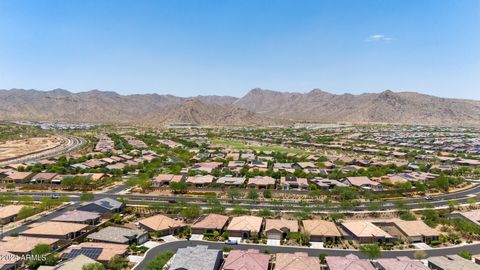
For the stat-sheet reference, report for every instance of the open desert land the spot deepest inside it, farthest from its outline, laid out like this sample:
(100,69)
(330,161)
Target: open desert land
(17,148)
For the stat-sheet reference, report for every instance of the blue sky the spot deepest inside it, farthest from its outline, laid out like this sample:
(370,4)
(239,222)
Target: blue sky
(187,47)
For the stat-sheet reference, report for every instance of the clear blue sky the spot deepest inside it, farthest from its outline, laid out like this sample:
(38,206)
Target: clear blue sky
(191,47)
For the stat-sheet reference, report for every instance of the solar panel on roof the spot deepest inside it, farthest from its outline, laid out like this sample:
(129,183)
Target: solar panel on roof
(92,253)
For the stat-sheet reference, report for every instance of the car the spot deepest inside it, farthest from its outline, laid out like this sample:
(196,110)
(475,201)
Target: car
(172,201)
(54,196)
(231,242)
(428,198)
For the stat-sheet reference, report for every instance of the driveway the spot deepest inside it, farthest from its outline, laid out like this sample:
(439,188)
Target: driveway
(169,238)
(316,245)
(196,237)
(422,246)
(273,242)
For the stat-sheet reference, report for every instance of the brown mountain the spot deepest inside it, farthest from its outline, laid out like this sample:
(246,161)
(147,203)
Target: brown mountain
(388,106)
(109,107)
(258,107)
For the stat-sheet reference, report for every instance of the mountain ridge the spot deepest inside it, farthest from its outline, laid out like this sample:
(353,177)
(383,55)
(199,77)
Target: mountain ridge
(257,107)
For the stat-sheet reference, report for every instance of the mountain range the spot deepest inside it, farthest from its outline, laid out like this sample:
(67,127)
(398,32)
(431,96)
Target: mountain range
(257,107)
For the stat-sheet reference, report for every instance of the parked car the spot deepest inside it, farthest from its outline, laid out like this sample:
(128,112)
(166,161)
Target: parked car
(231,242)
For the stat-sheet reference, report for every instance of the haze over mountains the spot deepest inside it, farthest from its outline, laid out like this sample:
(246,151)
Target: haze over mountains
(258,107)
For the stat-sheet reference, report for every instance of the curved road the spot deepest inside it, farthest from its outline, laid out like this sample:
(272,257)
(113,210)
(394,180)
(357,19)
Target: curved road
(71,143)
(173,246)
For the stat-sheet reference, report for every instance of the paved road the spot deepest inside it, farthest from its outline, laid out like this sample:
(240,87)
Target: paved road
(440,200)
(173,246)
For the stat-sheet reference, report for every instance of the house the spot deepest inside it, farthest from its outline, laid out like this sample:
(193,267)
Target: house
(229,180)
(399,263)
(43,177)
(116,166)
(8,213)
(105,205)
(473,215)
(18,177)
(451,262)
(200,180)
(77,262)
(245,226)
(209,224)
(250,259)
(104,251)
(258,165)
(235,165)
(207,166)
(248,156)
(321,230)
(324,183)
(261,182)
(119,235)
(9,261)
(23,245)
(57,230)
(94,163)
(93,176)
(413,231)
(362,182)
(365,232)
(286,167)
(292,182)
(279,228)
(162,224)
(307,167)
(297,260)
(197,258)
(78,216)
(165,179)
(349,262)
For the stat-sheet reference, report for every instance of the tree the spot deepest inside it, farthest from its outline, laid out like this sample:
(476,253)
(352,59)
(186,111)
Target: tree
(302,238)
(234,194)
(336,216)
(42,255)
(372,251)
(191,211)
(322,257)
(25,212)
(252,195)
(179,187)
(452,205)
(238,211)
(267,194)
(264,212)
(117,263)
(140,181)
(117,218)
(93,266)
(465,254)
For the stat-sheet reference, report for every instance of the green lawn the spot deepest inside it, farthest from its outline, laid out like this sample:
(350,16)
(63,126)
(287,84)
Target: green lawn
(240,145)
